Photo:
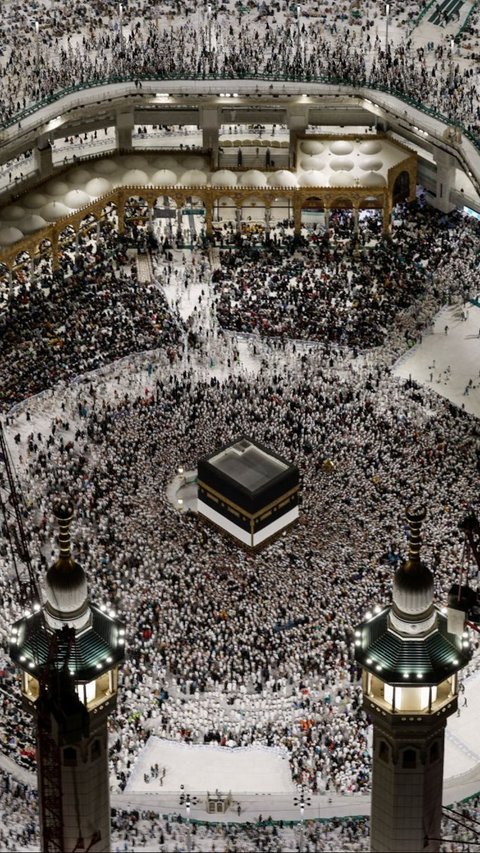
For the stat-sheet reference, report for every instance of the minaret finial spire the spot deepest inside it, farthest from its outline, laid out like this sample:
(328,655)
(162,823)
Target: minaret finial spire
(410,663)
(63,511)
(415,517)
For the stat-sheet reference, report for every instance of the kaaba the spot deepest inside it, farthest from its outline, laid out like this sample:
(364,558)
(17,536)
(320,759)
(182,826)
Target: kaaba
(248,491)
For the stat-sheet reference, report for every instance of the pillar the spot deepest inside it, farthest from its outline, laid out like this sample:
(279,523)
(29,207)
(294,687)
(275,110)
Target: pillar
(124,129)
(406,783)
(210,123)
(445,181)
(97,230)
(238,219)
(55,263)
(42,156)
(150,217)
(297,122)
(355,218)
(387,216)
(209,219)
(297,219)
(327,217)
(268,216)
(121,216)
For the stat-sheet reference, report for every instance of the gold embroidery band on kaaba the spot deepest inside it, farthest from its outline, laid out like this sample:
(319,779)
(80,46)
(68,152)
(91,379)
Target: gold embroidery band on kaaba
(252,515)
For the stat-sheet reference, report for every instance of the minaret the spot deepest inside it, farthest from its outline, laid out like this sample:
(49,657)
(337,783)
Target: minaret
(410,663)
(69,651)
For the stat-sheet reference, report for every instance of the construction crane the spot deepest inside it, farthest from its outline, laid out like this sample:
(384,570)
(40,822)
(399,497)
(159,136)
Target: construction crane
(11,506)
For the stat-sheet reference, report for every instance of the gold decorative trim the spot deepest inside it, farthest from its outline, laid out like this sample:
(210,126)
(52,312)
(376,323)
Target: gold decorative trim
(251,515)
(209,196)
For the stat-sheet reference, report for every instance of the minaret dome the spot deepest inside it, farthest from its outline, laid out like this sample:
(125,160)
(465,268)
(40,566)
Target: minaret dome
(413,611)
(66,583)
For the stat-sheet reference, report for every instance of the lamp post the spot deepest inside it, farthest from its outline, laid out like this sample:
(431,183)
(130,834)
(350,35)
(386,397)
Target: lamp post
(297,17)
(209,26)
(387,13)
(120,24)
(301,801)
(37,42)
(187,801)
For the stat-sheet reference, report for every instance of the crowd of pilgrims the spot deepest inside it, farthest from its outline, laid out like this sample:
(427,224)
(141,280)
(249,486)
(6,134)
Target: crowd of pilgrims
(84,43)
(341,288)
(92,311)
(224,646)
(147,830)
(335,289)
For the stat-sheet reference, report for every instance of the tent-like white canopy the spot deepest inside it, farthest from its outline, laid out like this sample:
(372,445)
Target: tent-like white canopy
(370,164)
(315,162)
(79,175)
(56,187)
(373,179)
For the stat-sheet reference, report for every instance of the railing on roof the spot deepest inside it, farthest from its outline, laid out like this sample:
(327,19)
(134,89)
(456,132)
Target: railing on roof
(467,20)
(274,78)
(422,14)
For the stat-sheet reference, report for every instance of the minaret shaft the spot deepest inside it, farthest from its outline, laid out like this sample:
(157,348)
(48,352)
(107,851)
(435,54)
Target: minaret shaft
(410,663)
(407,784)
(70,688)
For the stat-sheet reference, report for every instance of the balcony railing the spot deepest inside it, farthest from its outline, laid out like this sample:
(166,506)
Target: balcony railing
(357,83)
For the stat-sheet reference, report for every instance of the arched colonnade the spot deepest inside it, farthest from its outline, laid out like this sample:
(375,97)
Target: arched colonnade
(48,241)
